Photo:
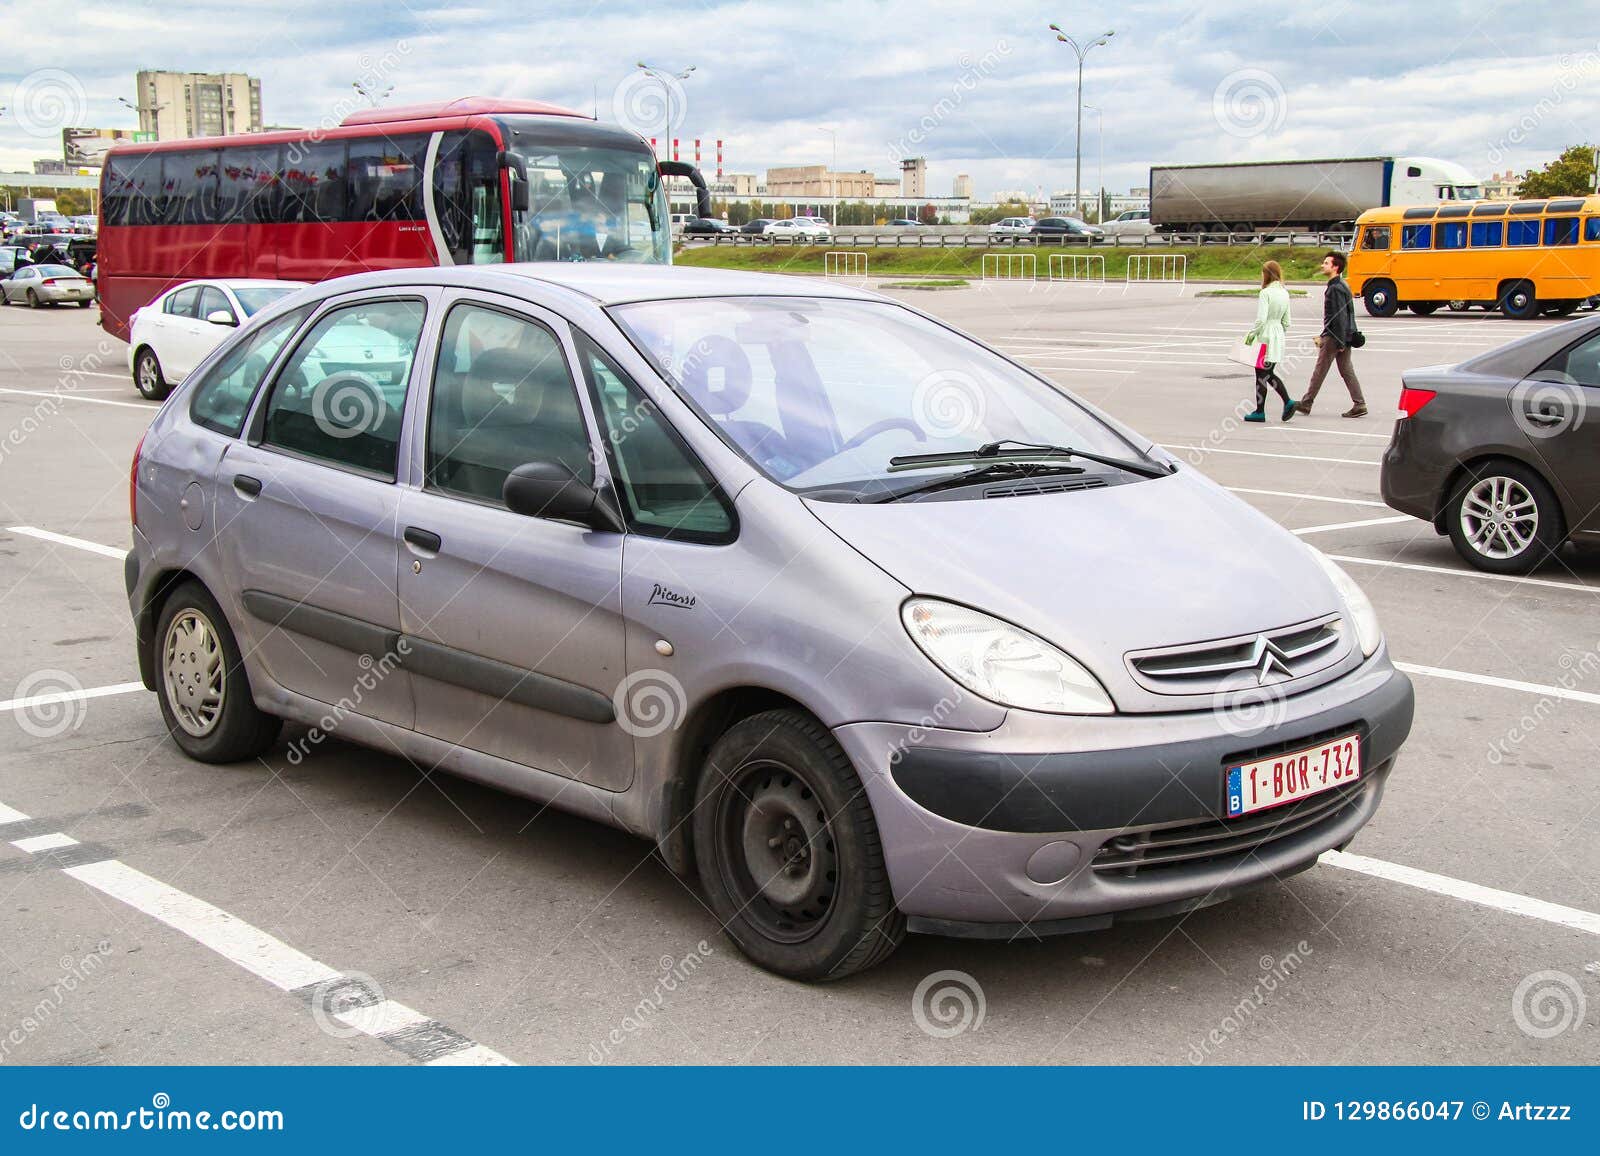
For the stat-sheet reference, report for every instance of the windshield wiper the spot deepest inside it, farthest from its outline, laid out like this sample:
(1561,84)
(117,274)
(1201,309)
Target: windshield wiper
(1022,451)
(1004,469)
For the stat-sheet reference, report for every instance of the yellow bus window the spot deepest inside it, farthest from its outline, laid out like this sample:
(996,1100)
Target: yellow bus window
(1522,232)
(1591,228)
(1377,236)
(1452,235)
(1561,231)
(1487,234)
(1416,236)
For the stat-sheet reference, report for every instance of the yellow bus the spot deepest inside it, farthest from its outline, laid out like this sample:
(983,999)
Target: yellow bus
(1523,258)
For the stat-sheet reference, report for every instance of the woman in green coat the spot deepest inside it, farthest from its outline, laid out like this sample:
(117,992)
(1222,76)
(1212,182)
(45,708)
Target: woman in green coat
(1272,329)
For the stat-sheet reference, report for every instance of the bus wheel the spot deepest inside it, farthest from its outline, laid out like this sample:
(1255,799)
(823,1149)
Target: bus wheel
(1561,309)
(1518,302)
(1379,298)
(1423,308)
(1460,306)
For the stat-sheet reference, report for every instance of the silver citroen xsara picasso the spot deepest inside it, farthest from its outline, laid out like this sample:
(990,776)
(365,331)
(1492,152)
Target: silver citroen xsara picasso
(865,625)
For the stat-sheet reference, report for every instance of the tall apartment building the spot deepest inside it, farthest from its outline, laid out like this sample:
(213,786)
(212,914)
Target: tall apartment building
(176,105)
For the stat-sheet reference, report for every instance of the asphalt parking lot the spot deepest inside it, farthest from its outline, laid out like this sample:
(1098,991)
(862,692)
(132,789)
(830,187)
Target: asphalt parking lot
(492,929)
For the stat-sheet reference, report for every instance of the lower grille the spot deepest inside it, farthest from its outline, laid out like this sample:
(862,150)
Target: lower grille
(1136,853)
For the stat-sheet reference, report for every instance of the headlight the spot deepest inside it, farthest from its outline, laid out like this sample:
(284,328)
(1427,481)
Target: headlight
(1001,662)
(1368,632)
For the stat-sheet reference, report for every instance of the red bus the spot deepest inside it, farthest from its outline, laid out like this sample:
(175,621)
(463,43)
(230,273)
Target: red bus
(471,181)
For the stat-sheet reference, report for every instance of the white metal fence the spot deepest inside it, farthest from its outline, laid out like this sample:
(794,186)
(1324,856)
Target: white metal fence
(1010,267)
(1085,267)
(853,265)
(1164,268)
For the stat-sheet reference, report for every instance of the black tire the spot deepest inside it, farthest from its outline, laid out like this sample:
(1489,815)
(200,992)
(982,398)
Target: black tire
(85,304)
(33,300)
(819,907)
(1562,308)
(237,729)
(147,376)
(1468,534)
(1378,296)
(1518,302)
(1424,308)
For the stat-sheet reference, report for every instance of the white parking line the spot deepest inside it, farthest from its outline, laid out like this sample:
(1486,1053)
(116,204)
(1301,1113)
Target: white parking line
(66,396)
(1305,497)
(1300,427)
(1282,457)
(67,696)
(1550,582)
(1506,901)
(64,540)
(1501,683)
(1354,525)
(44,842)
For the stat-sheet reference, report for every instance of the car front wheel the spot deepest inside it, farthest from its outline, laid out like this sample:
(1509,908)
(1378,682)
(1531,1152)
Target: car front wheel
(1503,518)
(788,851)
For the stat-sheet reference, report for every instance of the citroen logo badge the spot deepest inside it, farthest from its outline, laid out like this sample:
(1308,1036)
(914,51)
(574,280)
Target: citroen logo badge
(1267,660)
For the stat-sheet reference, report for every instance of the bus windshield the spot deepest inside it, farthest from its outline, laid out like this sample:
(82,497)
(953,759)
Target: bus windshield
(589,200)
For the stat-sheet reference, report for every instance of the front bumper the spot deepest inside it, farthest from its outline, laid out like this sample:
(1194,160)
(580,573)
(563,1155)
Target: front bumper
(1057,824)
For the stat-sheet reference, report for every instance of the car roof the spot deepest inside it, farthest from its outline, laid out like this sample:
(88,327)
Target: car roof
(244,283)
(605,282)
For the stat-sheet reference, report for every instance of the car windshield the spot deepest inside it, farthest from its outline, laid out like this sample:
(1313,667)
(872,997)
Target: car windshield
(253,301)
(820,393)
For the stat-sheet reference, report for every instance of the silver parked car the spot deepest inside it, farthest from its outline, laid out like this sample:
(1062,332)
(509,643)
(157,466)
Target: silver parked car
(38,285)
(863,624)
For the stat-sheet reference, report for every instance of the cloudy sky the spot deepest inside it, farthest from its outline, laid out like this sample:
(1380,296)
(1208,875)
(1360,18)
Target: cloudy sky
(1490,85)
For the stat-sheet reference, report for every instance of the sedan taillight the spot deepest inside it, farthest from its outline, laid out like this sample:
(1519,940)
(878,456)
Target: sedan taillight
(1412,400)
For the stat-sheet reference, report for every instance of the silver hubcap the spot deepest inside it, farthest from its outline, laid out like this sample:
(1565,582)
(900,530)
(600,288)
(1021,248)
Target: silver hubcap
(1499,517)
(192,657)
(147,374)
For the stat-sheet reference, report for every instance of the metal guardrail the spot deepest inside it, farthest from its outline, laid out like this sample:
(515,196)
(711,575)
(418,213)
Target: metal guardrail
(1010,267)
(1164,268)
(916,239)
(1077,267)
(852,265)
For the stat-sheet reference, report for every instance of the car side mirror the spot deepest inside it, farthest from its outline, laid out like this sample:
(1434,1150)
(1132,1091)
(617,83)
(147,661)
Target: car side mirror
(221,317)
(547,489)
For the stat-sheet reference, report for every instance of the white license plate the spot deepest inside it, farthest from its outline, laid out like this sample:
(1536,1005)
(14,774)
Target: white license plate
(1288,778)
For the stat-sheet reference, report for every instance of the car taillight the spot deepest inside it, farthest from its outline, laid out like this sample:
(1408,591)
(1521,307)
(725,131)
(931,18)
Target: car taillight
(1412,400)
(49,281)
(133,484)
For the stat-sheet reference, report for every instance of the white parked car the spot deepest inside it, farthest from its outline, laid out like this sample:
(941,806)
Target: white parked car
(809,227)
(175,332)
(1012,227)
(1133,223)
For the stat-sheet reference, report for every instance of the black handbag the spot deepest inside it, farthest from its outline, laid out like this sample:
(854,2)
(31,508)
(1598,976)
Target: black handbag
(1357,339)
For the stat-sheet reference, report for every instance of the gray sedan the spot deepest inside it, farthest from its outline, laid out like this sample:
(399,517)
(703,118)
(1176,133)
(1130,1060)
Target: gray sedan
(1501,452)
(38,285)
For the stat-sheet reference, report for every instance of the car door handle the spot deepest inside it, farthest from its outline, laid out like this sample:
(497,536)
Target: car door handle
(1544,416)
(424,540)
(247,486)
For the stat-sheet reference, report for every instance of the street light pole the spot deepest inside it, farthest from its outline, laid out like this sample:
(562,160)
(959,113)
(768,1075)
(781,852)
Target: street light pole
(141,108)
(1080,51)
(373,96)
(1100,172)
(662,77)
(833,172)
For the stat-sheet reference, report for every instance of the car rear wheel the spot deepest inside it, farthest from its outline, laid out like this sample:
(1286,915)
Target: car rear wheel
(1379,298)
(33,300)
(148,377)
(1561,308)
(202,685)
(788,852)
(1518,302)
(1503,518)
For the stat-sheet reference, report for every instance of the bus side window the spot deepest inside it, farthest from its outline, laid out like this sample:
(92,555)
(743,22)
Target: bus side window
(1487,234)
(1591,228)
(1376,237)
(1561,231)
(1416,236)
(1524,232)
(1452,235)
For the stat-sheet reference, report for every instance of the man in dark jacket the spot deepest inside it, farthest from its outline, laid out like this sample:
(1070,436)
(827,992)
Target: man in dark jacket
(1333,345)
